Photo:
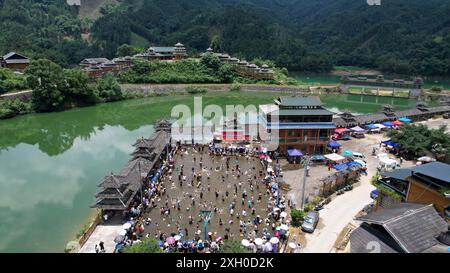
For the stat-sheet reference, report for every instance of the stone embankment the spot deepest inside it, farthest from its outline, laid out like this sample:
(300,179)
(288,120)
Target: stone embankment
(149,89)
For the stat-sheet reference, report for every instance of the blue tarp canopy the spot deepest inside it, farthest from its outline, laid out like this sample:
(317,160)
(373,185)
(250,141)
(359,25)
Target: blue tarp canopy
(294,152)
(371,126)
(340,167)
(317,157)
(387,124)
(390,143)
(334,144)
(404,119)
(353,163)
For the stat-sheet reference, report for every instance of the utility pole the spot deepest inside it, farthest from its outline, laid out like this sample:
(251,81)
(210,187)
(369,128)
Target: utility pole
(306,164)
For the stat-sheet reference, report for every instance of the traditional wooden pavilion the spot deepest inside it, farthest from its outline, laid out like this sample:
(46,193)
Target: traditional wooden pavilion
(119,191)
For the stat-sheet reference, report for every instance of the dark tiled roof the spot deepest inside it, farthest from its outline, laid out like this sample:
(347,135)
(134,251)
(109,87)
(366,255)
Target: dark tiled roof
(436,170)
(303,112)
(372,118)
(129,179)
(161,49)
(408,113)
(362,240)
(383,215)
(15,58)
(414,227)
(400,174)
(300,101)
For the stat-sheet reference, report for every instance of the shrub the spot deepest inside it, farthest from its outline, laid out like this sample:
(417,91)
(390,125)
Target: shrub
(308,207)
(297,217)
(231,246)
(316,200)
(9,81)
(196,90)
(148,245)
(12,108)
(108,89)
(235,87)
(436,89)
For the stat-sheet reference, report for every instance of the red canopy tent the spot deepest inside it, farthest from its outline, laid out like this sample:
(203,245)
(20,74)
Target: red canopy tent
(397,122)
(340,130)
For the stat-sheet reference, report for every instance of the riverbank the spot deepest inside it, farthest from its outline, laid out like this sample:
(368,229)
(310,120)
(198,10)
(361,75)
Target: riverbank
(63,161)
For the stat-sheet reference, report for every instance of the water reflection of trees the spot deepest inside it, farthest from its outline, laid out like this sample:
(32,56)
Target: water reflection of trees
(55,133)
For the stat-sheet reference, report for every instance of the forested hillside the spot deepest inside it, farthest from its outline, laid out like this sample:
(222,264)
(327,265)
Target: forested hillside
(400,36)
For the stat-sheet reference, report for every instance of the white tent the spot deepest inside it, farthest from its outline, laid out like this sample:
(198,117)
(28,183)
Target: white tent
(335,157)
(381,126)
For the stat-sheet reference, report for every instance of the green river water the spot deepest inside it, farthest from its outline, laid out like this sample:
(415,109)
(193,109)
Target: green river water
(50,164)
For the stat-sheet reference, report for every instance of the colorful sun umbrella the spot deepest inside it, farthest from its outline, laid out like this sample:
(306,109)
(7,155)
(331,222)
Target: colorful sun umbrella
(347,153)
(170,240)
(245,242)
(123,232)
(268,247)
(274,240)
(258,241)
(292,245)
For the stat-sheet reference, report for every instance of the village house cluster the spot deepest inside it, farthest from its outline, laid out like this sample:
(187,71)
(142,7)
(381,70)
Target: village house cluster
(244,68)
(97,67)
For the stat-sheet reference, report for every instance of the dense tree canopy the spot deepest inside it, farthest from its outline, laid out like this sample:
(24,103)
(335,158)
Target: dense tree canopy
(57,89)
(400,36)
(418,140)
(9,81)
(46,79)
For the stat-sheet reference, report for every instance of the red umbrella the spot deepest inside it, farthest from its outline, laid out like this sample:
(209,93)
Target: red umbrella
(397,122)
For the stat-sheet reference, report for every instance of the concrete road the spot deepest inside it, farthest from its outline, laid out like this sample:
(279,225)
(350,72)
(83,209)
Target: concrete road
(341,211)
(336,215)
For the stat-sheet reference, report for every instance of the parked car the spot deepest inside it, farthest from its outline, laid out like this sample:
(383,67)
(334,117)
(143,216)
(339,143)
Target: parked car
(340,137)
(369,208)
(374,194)
(310,221)
(358,135)
(358,155)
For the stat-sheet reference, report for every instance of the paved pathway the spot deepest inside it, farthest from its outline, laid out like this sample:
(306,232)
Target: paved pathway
(336,215)
(101,233)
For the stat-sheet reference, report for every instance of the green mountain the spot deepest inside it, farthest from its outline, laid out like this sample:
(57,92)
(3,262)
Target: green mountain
(400,36)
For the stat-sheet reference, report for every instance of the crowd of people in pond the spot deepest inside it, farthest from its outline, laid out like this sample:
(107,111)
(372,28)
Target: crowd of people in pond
(230,207)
